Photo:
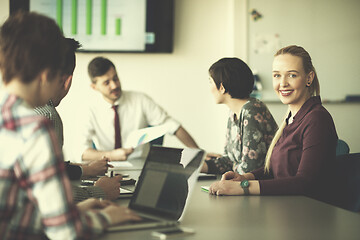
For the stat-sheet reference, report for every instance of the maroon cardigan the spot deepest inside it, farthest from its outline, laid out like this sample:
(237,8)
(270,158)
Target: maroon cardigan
(301,162)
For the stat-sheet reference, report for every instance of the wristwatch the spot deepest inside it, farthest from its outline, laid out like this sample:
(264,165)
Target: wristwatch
(245,186)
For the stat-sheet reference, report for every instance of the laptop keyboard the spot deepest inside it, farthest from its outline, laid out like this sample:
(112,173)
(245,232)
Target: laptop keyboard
(146,220)
(143,220)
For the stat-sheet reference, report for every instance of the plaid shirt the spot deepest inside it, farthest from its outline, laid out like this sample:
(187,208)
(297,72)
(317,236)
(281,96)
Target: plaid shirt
(79,193)
(36,199)
(49,111)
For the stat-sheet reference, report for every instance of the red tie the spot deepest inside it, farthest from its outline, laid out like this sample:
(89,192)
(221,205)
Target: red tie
(117,128)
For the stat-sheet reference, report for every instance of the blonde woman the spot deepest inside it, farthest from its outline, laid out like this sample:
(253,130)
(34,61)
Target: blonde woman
(299,157)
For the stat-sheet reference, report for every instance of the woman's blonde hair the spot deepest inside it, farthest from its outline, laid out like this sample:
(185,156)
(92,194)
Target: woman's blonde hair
(314,90)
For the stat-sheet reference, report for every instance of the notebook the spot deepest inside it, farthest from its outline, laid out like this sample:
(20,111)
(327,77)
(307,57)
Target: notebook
(164,187)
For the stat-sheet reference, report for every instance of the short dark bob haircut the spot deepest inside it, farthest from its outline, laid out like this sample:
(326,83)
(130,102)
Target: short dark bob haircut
(235,76)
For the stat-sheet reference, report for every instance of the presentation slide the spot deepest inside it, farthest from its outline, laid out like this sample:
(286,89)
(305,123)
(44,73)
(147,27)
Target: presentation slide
(99,25)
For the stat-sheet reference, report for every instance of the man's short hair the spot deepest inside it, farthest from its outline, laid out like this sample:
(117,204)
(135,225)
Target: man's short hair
(98,67)
(234,75)
(71,45)
(29,44)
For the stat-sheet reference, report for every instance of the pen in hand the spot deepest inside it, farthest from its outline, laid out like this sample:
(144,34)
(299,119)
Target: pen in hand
(107,161)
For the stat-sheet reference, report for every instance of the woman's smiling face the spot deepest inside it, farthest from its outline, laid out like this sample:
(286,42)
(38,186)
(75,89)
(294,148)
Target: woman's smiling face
(290,81)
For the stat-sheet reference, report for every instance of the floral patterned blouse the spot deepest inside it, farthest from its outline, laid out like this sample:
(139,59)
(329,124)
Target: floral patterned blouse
(247,139)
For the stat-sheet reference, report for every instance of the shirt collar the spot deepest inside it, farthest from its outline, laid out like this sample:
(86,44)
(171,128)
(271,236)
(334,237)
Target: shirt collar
(305,108)
(233,115)
(50,103)
(118,102)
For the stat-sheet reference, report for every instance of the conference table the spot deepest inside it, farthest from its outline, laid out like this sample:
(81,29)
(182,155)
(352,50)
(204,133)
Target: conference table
(258,217)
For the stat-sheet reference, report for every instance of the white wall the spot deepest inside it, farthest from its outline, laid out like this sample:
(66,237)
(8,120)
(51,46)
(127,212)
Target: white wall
(205,30)
(328,30)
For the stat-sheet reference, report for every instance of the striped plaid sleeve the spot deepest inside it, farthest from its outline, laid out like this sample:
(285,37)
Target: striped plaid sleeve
(83,193)
(49,188)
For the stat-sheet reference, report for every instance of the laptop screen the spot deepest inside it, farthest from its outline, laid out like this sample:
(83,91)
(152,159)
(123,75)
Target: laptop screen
(166,181)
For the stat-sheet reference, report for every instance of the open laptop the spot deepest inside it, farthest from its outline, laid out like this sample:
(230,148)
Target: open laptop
(165,185)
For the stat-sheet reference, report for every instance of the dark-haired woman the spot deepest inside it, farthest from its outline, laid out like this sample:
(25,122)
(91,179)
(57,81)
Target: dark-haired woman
(250,126)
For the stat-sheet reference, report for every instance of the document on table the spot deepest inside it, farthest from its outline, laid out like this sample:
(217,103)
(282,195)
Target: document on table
(145,135)
(120,164)
(137,138)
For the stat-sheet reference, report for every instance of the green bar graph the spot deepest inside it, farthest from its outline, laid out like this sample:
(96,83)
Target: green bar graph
(118,26)
(88,17)
(59,13)
(89,8)
(74,4)
(103,16)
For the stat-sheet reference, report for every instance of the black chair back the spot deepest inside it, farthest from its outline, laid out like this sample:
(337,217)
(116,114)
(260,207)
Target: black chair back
(348,173)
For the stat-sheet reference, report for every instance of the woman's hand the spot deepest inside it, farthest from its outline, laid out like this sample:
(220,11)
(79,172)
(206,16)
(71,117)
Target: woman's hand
(226,187)
(233,176)
(212,156)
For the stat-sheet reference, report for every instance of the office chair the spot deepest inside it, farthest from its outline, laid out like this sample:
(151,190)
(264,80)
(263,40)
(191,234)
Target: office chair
(348,178)
(158,141)
(342,148)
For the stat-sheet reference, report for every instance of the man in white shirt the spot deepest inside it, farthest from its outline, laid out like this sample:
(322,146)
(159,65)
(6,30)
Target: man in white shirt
(135,111)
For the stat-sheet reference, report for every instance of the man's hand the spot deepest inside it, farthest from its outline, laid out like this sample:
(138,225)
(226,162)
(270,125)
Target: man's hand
(96,168)
(111,186)
(120,214)
(120,154)
(93,203)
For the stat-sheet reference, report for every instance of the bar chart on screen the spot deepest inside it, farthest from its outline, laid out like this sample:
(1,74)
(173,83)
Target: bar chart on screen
(116,24)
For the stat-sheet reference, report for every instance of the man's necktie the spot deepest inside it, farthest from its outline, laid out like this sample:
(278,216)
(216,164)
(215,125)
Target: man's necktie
(117,128)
